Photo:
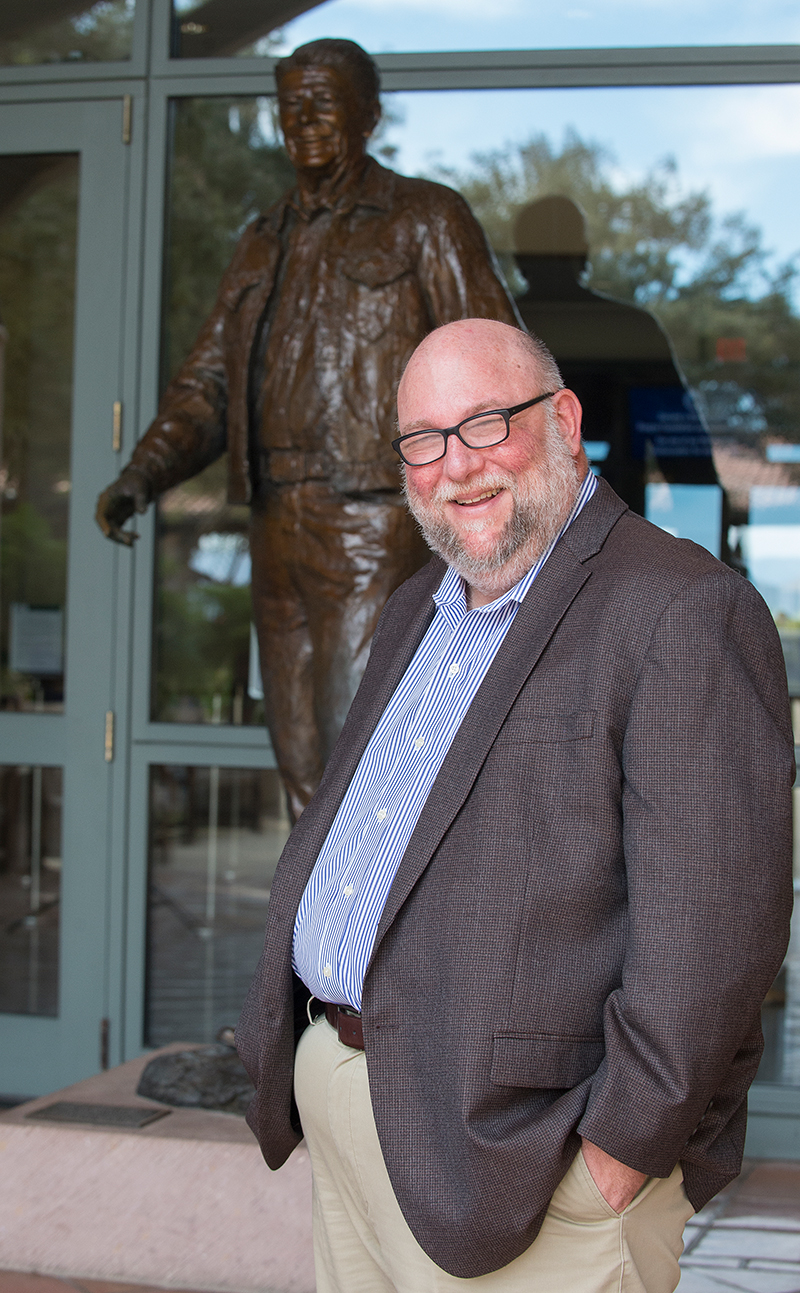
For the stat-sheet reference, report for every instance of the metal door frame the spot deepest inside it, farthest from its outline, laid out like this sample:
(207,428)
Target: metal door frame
(40,1053)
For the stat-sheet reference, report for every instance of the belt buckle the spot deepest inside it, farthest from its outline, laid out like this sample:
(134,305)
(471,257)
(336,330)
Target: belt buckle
(349,1028)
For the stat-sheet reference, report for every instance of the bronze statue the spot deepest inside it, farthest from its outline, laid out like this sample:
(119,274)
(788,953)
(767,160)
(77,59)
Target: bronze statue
(295,372)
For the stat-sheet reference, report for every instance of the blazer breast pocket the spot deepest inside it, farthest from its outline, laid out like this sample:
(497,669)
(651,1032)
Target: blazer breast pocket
(544,1060)
(522,726)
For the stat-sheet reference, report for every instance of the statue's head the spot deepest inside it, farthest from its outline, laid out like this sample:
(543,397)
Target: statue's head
(328,95)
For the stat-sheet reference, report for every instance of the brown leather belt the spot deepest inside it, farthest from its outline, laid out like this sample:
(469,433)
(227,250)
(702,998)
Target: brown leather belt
(347,1024)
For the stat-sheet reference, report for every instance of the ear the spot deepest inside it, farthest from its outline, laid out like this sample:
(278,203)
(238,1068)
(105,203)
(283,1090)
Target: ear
(570,417)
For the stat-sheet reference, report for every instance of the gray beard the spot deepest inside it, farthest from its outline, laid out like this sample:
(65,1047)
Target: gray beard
(543,499)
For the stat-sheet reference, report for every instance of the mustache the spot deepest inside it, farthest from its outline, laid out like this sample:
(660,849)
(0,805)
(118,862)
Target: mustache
(489,482)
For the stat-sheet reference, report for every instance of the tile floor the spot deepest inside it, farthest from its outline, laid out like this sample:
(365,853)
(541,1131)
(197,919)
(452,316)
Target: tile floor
(746,1241)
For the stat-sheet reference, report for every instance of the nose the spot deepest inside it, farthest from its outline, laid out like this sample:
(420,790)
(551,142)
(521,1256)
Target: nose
(306,111)
(461,461)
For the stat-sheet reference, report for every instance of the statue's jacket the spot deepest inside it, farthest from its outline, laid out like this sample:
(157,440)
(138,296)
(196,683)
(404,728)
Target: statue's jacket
(592,905)
(403,256)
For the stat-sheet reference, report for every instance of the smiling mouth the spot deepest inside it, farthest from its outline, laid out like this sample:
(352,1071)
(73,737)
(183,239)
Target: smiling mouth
(479,498)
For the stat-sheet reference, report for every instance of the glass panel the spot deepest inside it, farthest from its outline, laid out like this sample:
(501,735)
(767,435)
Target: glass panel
(38,224)
(780,1016)
(30,889)
(65,31)
(224,149)
(202,668)
(204,28)
(215,838)
(653,221)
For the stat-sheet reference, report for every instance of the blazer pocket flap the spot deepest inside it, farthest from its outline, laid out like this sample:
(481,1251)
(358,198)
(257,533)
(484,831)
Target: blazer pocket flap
(543,1060)
(377,269)
(550,727)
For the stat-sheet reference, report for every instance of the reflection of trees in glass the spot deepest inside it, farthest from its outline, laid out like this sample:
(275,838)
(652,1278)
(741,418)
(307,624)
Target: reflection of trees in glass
(203,624)
(706,279)
(34,563)
(204,644)
(101,33)
(38,232)
(226,168)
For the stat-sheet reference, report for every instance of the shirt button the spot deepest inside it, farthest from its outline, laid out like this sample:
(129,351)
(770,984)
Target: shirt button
(420,741)
(454,668)
(380,814)
(328,971)
(348,890)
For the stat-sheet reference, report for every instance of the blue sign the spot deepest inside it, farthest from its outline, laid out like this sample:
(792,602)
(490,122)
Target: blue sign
(667,417)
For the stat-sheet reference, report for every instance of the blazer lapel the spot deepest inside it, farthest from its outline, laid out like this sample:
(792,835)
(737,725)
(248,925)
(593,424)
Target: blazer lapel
(554,589)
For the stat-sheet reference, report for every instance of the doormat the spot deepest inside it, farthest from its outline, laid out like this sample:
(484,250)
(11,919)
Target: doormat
(98,1115)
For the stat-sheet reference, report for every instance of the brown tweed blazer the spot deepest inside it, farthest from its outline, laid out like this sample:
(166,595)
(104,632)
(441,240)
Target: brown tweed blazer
(591,908)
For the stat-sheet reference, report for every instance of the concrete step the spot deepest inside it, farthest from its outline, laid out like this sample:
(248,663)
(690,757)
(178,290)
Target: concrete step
(185,1202)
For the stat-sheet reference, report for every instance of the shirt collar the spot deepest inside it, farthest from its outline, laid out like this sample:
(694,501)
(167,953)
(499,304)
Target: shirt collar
(451,596)
(371,186)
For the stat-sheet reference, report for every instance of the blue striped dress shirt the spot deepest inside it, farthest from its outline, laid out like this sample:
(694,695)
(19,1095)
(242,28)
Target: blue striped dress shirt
(342,904)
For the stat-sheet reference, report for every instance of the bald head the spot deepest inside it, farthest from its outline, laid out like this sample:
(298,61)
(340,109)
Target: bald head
(482,346)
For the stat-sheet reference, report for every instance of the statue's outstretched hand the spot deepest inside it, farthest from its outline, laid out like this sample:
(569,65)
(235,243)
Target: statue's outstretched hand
(129,493)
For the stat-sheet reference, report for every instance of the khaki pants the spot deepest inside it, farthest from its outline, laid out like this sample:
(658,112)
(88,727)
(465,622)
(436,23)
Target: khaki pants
(363,1245)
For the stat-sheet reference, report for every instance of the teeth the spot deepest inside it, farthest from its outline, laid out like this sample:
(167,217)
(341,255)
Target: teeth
(462,502)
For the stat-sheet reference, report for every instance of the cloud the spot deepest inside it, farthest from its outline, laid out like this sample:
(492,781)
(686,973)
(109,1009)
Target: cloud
(761,121)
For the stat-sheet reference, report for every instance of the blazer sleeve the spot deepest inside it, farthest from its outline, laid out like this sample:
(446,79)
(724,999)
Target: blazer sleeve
(708,769)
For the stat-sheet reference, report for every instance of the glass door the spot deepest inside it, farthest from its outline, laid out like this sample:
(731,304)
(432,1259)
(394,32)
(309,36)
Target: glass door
(63,171)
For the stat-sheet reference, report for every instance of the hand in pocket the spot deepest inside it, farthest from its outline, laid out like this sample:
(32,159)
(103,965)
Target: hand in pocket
(618,1183)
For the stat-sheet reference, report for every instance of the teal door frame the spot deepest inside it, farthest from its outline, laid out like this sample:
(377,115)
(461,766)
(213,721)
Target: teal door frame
(38,1054)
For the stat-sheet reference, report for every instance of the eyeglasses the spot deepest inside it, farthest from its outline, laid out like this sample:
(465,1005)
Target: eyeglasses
(481,431)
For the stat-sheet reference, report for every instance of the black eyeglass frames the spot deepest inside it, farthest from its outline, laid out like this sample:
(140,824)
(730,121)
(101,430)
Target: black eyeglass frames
(481,431)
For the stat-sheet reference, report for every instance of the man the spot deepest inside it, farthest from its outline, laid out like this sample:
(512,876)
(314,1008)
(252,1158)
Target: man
(549,863)
(294,372)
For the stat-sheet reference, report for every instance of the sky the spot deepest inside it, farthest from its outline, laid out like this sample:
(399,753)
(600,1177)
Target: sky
(383,26)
